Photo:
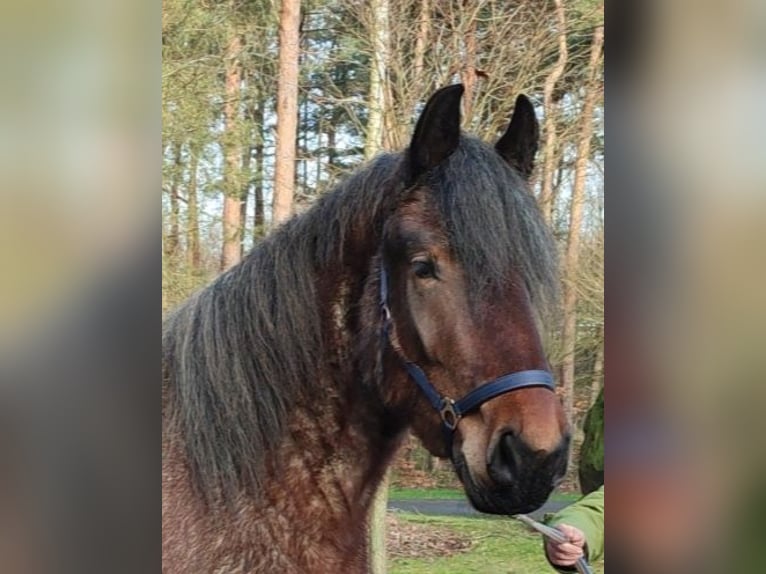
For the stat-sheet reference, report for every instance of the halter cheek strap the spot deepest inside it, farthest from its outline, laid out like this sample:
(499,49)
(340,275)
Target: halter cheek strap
(449,410)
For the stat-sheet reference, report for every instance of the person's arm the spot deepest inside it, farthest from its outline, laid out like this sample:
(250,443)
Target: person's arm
(583,523)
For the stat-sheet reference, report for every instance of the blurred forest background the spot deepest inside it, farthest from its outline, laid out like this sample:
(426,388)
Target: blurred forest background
(267,104)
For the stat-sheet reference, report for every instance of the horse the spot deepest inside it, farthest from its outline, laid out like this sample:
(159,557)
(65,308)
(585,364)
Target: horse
(290,381)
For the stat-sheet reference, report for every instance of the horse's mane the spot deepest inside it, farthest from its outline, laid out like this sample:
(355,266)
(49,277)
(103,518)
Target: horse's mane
(238,354)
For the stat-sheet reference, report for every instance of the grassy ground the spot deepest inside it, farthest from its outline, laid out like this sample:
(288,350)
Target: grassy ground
(502,547)
(425,494)
(454,494)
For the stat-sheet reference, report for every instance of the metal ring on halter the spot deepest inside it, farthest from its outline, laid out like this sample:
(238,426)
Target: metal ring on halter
(449,413)
(386,314)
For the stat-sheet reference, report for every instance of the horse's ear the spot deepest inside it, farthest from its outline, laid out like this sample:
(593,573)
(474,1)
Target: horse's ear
(437,132)
(519,142)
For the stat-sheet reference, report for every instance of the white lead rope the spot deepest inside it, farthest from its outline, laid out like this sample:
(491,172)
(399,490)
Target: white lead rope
(555,535)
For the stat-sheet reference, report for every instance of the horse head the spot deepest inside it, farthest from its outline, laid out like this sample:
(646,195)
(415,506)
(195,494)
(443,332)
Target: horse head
(458,274)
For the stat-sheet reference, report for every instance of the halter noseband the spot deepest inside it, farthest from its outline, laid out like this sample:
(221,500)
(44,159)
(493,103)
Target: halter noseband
(449,410)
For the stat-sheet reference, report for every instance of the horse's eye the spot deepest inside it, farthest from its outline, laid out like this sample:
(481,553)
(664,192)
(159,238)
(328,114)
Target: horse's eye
(424,269)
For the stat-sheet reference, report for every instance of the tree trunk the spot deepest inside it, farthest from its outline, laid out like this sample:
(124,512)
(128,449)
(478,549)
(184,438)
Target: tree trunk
(550,110)
(378,554)
(402,94)
(395,136)
(287,109)
(302,182)
(377,99)
(468,72)
(569,335)
(319,132)
(231,252)
(247,182)
(193,255)
(172,241)
(373,142)
(259,218)
(421,39)
(331,151)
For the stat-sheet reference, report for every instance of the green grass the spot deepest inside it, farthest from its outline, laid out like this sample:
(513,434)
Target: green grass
(396,493)
(426,494)
(502,547)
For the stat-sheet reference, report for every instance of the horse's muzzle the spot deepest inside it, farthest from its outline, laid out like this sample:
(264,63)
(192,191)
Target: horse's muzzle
(521,478)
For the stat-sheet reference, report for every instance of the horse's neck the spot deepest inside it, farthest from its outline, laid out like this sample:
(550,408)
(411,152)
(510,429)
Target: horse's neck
(336,454)
(315,509)
(311,515)
(340,431)
(338,444)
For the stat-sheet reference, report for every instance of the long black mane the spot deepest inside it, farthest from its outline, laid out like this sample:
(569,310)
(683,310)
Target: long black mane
(238,353)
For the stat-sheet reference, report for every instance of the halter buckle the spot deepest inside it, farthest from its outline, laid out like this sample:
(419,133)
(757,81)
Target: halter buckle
(449,415)
(386,312)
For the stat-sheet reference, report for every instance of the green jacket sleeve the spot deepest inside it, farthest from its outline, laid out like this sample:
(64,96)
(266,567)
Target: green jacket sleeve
(587,514)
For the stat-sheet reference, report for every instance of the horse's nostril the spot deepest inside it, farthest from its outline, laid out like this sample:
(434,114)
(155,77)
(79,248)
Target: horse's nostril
(513,459)
(506,459)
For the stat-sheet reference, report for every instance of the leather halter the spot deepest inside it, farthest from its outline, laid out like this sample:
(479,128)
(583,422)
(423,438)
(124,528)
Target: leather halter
(451,411)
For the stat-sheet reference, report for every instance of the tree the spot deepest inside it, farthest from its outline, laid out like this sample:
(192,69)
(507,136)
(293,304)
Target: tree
(259,216)
(377,101)
(569,331)
(421,40)
(172,238)
(231,253)
(287,109)
(373,142)
(468,74)
(549,108)
(194,257)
